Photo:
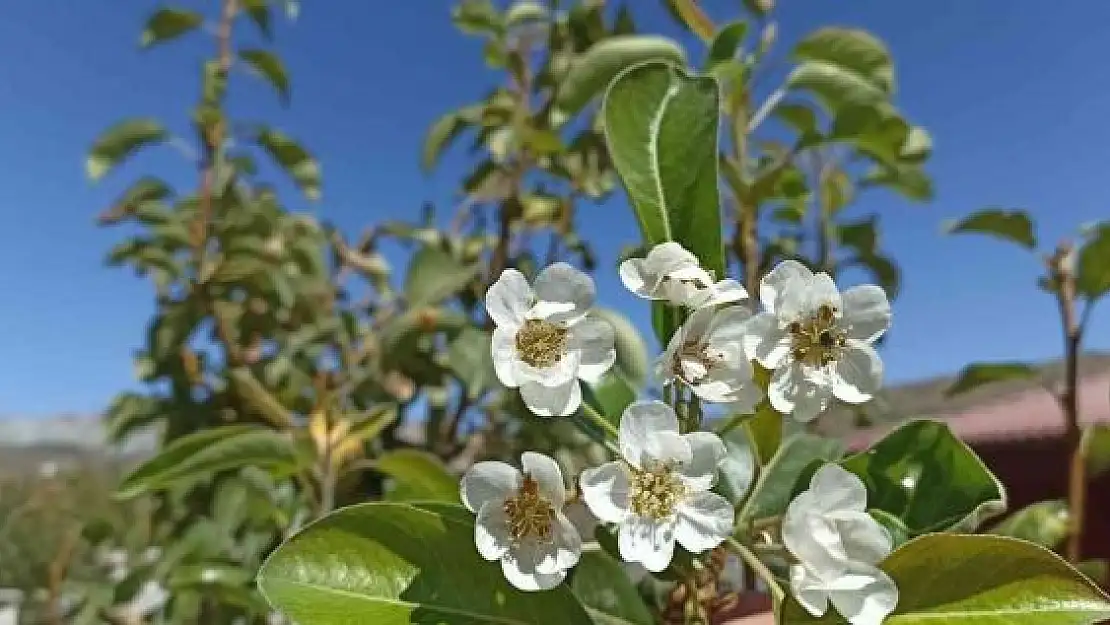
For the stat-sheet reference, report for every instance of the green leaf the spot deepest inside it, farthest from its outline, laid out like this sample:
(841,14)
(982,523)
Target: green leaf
(393,564)
(592,71)
(210,451)
(1044,523)
(469,358)
(294,159)
(259,12)
(908,180)
(1092,277)
(119,142)
(169,23)
(661,126)
(610,396)
(780,478)
(977,374)
(258,398)
(1096,449)
(605,590)
(851,49)
(417,475)
(478,17)
(1014,226)
(434,275)
(267,65)
(924,475)
(525,11)
(764,430)
(834,86)
(725,44)
(981,580)
(633,360)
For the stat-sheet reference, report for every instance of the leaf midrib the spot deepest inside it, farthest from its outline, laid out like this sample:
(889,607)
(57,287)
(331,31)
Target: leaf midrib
(654,133)
(910,617)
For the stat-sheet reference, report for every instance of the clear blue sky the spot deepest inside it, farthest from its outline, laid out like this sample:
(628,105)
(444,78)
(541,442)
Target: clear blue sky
(1016,95)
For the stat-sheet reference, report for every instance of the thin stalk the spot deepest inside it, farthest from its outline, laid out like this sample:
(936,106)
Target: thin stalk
(758,567)
(599,420)
(1069,399)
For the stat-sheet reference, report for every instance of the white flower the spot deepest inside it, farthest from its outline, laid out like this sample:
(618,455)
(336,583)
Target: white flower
(670,272)
(817,340)
(544,342)
(838,545)
(660,492)
(708,354)
(520,520)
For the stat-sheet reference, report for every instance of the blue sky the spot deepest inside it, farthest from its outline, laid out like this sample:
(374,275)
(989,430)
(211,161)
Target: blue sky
(1014,93)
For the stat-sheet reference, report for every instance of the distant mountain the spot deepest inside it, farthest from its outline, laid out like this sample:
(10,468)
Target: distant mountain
(74,431)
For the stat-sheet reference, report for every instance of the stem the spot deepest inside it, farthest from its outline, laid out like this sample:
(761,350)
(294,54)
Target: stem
(599,420)
(758,567)
(747,236)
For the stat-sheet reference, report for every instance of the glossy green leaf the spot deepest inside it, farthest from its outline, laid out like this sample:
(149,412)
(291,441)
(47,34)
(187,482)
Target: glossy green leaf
(851,49)
(469,358)
(661,127)
(1014,226)
(1044,523)
(591,72)
(1096,449)
(169,23)
(119,142)
(394,564)
(924,475)
(271,68)
(1092,277)
(725,44)
(210,451)
(948,579)
(977,374)
(417,475)
(435,275)
(780,478)
(633,360)
(610,395)
(294,159)
(605,590)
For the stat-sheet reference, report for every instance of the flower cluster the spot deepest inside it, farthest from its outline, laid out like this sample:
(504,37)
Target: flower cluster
(815,341)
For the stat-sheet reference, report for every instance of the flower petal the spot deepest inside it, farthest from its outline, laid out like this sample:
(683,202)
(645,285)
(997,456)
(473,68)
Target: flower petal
(811,537)
(594,339)
(792,392)
(835,489)
(668,257)
(766,341)
(745,398)
(565,548)
(565,294)
(491,531)
(641,419)
(865,540)
(866,312)
(809,590)
(784,290)
(725,291)
(564,370)
(606,491)
(547,475)
(508,299)
(552,401)
(634,275)
(503,349)
(705,520)
(524,576)
(865,596)
(706,452)
(488,481)
(729,326)
(858,373)
(649,542)
(823,292)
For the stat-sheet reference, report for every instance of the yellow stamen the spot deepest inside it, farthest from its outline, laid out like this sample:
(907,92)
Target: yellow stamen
(541,343)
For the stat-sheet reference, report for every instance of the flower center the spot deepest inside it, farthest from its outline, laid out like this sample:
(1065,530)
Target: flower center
(530,515)
(655,491)
(699,353)
(816,340)
(541,343)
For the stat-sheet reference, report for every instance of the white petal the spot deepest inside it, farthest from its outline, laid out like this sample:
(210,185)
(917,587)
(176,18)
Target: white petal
(864,597)
(565,294)
(636,279)
(594,340)
(705,520)
(649,542)
(784,290)
(726,291)
(547,475)
(706,452)
(524,576)
(491,531)
(638,421)
(665,447)
(565,548)
(866,312)
(809,590)
(823,292)
(766,341)
(508,299)
(835,488)
(729,325)
(858,373)
(865,540)
(669,257)
(791,392)
(503,349)
(488,481)
(811,537)
(564,370)
(552,401)
(745,398)
(605,490)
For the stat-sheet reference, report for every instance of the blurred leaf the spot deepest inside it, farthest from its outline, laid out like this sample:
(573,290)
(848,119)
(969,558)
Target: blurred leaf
(210,451)
(267,65)
(778,480)
(1092,277)
(441,133)
(800,117)
(1097,570)
(625,22)
(294,159)
(851,50)
(469,358)
(610,396)
(980,580)
(434,275)
(129,412)
(524,11)
(918,145)
(258,397)
(259,12)
(392,563)
(633,360)
(591,72)
(835,86)
(1014,226)
(607,593)
(725,45)
(1096,449)
(119,142)
(417,475)
(208,574)
(924,475)
(1044,523)
(169,23)
(977,374)
(863,235)
(909,181)
(478,17)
